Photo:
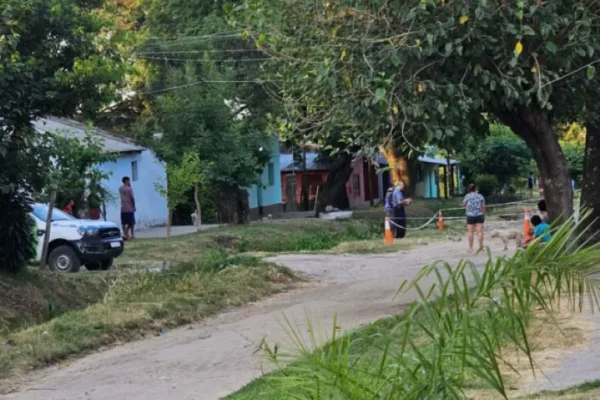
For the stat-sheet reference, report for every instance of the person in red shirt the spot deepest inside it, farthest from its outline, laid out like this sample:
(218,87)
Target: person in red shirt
(69,207)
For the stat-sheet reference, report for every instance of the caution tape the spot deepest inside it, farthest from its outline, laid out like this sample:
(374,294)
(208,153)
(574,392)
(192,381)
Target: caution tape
(430,220)
(524,202)
(418,228)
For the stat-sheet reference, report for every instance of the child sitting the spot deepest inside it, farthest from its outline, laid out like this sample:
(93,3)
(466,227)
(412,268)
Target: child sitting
(541,230)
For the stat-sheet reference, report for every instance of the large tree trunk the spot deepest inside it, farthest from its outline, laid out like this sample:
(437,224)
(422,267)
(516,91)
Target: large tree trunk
(534,126)
(334,191)
(590,190)
(233,205)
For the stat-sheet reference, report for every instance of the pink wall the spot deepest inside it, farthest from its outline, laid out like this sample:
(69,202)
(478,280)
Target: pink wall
(357,180)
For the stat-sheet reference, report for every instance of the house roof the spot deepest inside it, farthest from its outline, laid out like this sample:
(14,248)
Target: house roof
(288,165)
(381,160)
(70,128)
(437,160)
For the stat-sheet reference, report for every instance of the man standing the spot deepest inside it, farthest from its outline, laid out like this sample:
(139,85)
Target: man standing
(398,202)
(127,209)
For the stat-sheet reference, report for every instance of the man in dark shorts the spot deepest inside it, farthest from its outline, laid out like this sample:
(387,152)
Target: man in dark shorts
(127,209)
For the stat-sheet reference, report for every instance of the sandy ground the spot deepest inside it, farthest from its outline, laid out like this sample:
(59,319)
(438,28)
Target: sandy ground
(217,357)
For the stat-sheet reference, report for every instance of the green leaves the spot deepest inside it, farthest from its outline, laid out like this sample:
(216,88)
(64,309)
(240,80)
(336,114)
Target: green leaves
(590,72)
(551,47)
(379,95)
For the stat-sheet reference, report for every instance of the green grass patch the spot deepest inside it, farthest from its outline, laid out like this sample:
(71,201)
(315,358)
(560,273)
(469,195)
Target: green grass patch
(467,333)
(269,237)
(589,390)
(35,296)
(137,304)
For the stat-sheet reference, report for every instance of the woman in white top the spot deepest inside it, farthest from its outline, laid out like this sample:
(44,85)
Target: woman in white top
(474,204)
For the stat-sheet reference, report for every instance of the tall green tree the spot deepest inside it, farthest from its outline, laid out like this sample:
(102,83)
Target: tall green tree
(423,71)
(204,92)
(54,60)
(501,154)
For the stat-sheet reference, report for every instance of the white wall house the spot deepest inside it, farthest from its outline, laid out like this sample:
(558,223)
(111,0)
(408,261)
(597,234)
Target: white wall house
(136,162)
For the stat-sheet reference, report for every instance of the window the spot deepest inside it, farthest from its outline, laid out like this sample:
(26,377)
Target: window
(271,171)
(134,171)
(41,212)
(420,172)
(355,185)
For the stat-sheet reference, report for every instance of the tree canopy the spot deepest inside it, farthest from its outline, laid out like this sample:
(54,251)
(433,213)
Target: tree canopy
(55,59)
(423,71)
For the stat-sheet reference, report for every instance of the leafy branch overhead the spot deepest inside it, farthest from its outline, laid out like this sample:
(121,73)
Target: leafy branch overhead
(418,68)
(423,71)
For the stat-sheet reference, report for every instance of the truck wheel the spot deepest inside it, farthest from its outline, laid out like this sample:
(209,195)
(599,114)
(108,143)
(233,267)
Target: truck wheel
(64,259)
(106,264)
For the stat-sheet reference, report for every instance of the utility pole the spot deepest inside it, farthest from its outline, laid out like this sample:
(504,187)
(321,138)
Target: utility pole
(48,227)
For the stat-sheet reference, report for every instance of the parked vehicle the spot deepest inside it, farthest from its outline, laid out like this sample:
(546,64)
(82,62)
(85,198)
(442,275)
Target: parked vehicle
(75,242)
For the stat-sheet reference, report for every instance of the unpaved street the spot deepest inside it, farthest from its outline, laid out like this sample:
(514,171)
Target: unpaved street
(218,356)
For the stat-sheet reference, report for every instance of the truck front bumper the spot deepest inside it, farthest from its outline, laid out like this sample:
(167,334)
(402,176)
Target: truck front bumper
(95,249)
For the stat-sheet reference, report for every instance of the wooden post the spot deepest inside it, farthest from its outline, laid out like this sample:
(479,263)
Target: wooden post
(370,184)
(169,215)
(317,198)
(48,227)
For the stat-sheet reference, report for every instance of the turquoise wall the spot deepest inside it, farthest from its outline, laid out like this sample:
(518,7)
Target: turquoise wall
(269,192)
(431,191)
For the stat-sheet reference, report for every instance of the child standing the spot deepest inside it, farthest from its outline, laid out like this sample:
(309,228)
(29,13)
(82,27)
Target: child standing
(541,230)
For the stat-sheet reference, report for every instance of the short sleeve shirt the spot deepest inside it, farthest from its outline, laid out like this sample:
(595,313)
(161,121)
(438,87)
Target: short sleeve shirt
(126,194)
(543,231)
(397,197)
(474,204)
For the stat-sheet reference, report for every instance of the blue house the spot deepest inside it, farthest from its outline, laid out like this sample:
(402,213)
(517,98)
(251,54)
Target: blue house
(264,197)
(136,162)
(430,182)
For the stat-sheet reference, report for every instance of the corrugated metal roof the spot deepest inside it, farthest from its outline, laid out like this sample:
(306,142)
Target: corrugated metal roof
(286,161)
(70,128)
(381,160)
(437,160)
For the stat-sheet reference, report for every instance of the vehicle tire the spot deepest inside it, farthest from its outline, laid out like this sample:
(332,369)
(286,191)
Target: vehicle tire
(64,259)
(106,264)
(93,267)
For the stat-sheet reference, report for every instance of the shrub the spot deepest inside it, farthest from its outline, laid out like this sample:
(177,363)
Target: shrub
(17,240)
(486,184)
(449,338)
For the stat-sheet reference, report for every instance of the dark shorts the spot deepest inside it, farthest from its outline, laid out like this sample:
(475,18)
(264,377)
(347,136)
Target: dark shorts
(128,218)
(480,219)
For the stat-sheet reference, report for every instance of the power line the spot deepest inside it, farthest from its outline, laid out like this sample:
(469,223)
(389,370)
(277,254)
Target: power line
(205,60)
(194,37)
(169,89)
(201,51)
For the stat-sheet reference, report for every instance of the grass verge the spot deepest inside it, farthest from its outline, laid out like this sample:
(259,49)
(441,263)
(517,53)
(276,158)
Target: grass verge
(140,303)
(473,331)
(34,296)
(268,237)
(551,338)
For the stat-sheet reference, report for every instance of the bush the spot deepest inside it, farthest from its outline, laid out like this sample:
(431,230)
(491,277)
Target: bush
(486,184)
(17,240)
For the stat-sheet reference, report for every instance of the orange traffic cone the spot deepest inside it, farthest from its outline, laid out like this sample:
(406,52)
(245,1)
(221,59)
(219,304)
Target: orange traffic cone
(389,235)
(526,227)
(441,225)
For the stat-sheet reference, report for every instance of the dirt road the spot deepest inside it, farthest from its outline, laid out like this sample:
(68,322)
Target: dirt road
(217,357)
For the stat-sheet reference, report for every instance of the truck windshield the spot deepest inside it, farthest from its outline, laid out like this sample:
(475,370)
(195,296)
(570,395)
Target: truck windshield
(41,212)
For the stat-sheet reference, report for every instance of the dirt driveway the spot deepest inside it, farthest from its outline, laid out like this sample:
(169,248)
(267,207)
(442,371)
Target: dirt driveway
(218,356)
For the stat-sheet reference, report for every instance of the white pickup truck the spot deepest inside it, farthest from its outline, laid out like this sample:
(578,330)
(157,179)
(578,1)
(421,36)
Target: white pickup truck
(76,242)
